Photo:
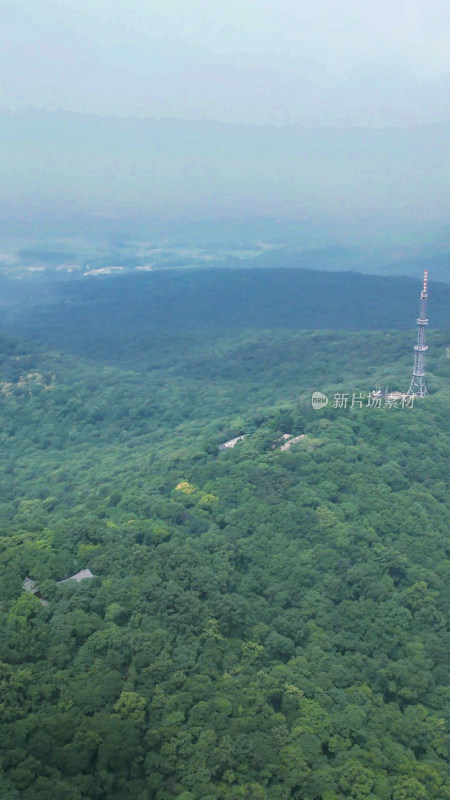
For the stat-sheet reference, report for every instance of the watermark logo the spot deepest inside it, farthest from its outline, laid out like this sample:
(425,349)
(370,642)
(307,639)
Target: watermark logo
(374,399)
(319,400)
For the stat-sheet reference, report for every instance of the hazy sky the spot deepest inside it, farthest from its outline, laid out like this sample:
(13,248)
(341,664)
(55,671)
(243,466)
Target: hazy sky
(374,73)
(261,61)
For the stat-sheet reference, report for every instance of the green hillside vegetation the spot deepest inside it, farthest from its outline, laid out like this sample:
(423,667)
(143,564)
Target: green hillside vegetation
(262,625)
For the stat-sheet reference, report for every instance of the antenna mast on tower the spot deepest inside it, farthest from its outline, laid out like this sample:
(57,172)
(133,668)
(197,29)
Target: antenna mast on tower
(418,386)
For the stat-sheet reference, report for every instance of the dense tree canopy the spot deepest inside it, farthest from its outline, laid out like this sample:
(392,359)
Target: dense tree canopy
(262,624)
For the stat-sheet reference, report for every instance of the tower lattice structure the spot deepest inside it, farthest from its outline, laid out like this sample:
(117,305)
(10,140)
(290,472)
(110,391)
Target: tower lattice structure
(418,386)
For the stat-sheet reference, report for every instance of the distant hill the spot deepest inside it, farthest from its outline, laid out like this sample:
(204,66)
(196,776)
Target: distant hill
(129,317)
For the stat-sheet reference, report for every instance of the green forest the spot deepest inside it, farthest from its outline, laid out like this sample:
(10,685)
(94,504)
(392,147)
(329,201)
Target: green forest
(260,622)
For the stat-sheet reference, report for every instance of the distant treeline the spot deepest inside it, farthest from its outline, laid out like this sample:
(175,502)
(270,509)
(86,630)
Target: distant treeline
(82,314)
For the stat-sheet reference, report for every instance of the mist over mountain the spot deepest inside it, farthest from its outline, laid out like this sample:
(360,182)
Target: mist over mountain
(178,124)
(59,163)
(239,62)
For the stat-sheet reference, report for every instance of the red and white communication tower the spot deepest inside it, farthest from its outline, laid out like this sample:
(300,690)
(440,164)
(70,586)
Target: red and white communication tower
(418,385)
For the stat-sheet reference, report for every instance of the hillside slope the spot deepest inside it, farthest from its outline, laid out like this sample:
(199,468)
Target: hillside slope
(263,624)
